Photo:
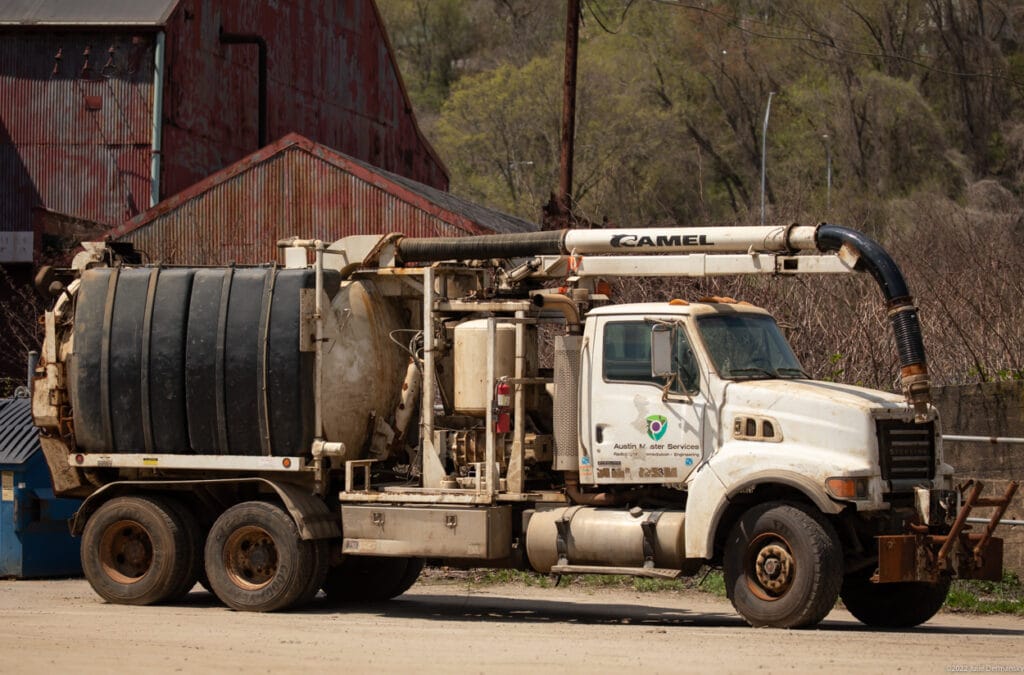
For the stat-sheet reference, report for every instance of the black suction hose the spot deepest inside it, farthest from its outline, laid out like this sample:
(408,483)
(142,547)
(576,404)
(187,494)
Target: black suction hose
(900,304)
(482,247)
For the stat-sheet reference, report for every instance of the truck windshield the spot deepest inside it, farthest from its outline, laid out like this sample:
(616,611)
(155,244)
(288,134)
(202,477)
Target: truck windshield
(748,346)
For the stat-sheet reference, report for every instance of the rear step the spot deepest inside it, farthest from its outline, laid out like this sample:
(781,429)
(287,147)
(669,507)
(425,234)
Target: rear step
(1000,505)
(926,557)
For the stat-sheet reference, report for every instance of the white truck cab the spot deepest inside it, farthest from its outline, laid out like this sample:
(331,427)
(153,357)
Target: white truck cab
(709,397)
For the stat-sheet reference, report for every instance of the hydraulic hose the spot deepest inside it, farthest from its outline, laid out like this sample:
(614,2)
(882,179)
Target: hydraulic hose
(903,314)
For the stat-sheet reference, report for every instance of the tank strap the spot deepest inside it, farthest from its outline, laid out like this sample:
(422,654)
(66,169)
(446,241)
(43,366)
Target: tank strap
(649,527)
(562,542)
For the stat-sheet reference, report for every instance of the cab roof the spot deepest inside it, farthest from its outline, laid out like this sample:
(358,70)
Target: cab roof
(711,305)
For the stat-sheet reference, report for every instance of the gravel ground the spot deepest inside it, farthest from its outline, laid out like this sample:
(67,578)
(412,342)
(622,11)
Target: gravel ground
(461,627)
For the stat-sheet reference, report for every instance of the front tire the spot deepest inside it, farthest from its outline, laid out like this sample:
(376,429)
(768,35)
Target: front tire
(783,566)
(898,605)
(255,560)
(137,551)
(371,578)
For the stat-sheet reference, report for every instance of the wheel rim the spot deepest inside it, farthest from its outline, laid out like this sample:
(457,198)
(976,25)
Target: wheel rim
(250,557)
(770,566)
(126,552)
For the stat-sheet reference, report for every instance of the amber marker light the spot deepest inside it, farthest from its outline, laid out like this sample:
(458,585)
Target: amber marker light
(847,488)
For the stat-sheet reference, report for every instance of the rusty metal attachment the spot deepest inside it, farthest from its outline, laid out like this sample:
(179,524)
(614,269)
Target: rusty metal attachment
(926,557)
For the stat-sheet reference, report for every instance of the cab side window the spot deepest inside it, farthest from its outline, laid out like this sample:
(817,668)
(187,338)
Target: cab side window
(627,356)
(627,352)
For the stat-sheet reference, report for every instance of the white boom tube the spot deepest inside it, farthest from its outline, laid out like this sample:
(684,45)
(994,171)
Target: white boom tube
(645,241)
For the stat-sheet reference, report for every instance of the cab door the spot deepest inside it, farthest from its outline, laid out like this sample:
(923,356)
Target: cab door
(642,428)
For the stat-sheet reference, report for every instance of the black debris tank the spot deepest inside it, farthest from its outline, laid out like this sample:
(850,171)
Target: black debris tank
(212,361)
(87,370)
(126,359)
(244,374)
(168,415)
(204,344)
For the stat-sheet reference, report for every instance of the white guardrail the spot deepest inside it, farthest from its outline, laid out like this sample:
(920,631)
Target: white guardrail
(994,440)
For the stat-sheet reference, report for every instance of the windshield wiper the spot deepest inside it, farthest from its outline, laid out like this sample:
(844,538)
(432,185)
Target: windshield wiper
(752,372)
(799,372)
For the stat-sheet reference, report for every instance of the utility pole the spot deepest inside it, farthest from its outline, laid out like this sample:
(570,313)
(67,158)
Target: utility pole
(572,39)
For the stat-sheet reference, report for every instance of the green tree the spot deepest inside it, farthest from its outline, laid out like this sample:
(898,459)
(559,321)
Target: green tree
(432,39)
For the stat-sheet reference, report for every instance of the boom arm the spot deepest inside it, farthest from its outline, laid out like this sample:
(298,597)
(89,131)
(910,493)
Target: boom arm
(683,251)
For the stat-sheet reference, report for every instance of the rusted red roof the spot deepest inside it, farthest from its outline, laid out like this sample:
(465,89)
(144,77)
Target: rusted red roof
(295,187)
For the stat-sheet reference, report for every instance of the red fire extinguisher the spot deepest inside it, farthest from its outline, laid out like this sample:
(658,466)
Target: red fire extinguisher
(502,406)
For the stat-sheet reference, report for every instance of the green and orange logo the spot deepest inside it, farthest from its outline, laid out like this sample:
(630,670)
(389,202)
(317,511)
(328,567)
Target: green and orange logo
(657,425)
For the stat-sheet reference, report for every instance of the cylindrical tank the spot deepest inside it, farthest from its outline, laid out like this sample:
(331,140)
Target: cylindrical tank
(363,367)
(221,361)
(471,395)
(605,537)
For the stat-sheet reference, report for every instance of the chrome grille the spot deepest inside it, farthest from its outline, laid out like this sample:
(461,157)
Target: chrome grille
(906,450)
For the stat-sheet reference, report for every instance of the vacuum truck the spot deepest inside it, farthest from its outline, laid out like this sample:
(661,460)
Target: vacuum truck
(332,422)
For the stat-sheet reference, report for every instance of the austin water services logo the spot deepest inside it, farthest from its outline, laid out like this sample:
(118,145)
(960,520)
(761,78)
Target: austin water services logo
(657,425)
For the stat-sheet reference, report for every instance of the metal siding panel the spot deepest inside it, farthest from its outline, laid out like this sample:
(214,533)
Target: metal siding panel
(76,145)
(106,187)
(45,99)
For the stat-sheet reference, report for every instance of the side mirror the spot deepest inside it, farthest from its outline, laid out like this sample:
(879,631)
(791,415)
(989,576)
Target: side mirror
(661,351)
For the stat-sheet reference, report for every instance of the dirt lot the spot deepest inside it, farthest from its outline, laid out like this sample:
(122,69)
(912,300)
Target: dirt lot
(61,626)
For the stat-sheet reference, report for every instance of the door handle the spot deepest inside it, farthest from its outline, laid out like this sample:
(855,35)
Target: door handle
(599,433)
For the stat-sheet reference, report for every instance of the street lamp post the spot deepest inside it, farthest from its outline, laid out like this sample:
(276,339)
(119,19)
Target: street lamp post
(764,149)
(515,175)
(828,173)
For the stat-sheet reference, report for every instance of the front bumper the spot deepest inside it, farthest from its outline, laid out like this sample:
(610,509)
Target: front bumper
(922,555)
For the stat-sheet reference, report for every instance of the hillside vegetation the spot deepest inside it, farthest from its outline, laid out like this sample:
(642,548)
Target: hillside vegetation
(915,105)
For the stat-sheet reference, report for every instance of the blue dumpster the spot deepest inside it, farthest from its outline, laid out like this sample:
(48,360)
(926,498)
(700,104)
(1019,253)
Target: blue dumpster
(34,536)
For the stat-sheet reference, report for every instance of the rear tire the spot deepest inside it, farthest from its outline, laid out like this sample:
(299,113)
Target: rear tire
(783,566)
(136,551)
(195,538)
(255,560)
(898,605)
(371,578)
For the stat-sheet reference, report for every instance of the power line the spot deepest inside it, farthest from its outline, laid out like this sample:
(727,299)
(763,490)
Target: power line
(601,22)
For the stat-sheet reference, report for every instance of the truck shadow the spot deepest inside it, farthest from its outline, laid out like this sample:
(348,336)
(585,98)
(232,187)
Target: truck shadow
(529,610)
(842,625)
(503,609)
(498,609)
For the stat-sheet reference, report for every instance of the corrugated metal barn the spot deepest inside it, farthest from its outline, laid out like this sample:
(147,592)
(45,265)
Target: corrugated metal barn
(295,187)
(108,107)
